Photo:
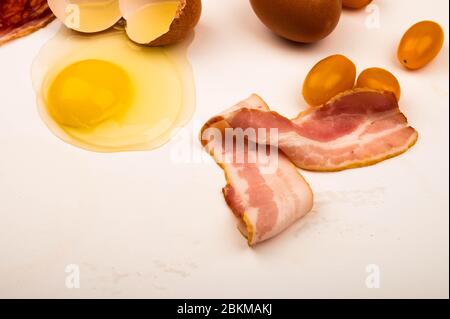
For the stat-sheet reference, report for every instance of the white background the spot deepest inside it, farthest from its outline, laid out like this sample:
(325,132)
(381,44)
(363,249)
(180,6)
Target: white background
(140,225)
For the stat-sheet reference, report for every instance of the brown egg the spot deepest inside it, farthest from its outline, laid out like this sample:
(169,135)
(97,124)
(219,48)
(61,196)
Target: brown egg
(355,4)
(302,21)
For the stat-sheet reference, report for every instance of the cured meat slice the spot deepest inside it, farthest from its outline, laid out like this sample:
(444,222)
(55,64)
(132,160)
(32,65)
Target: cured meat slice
(266,204)
(358,128)
(19,18)
(265,191)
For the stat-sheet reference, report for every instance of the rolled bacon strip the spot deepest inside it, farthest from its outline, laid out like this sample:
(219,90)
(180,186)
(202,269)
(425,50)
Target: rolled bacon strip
(357,128)
(266,194)
(19,18)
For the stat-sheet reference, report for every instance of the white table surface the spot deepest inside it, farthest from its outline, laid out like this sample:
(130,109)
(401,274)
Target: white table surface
(143,225)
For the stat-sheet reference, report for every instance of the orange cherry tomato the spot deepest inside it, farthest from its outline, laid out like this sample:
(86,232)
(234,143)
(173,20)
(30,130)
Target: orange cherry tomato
(379,79)
(355,4)
(420,44)
(328,78)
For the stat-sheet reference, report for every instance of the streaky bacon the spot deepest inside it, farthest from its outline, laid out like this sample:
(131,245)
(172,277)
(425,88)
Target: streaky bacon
(265,196)
(357,128)
(19,18)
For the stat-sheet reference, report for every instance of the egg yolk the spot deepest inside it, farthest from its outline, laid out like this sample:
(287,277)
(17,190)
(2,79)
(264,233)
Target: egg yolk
(89,92)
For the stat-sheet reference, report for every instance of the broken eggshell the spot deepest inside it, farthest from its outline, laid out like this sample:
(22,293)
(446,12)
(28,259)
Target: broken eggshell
(150,22)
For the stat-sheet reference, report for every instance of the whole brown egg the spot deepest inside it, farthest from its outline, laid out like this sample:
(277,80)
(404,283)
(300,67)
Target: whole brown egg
(302,21)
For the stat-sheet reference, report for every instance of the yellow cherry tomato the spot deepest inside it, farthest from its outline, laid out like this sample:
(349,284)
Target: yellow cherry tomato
(420,44)
(379,79)
(328,78)
(355,4)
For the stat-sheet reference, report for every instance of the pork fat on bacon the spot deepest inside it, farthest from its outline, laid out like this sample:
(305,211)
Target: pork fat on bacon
(266,193)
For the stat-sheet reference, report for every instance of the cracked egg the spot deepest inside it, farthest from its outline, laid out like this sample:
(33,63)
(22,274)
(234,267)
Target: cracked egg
(105,93)
(151,22)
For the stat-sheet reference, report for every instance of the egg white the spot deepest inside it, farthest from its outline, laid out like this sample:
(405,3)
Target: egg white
(152,118)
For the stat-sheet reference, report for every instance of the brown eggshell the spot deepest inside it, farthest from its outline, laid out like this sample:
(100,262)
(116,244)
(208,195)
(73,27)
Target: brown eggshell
(187,18)
(355,4)
(303,21)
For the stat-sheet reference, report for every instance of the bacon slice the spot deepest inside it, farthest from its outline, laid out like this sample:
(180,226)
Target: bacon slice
(19,18)
(358,128)
(266,204)
(268,194)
